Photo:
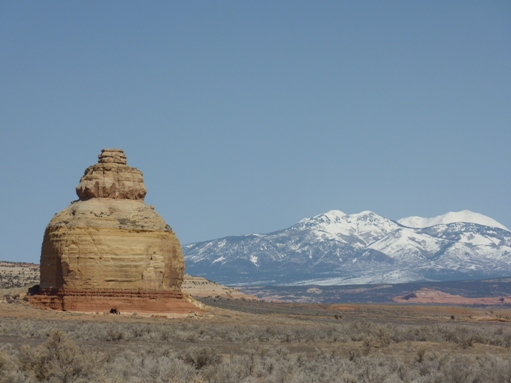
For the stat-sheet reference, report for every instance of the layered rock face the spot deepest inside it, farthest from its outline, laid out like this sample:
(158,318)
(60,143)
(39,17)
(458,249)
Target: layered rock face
(109,250)
(111,178)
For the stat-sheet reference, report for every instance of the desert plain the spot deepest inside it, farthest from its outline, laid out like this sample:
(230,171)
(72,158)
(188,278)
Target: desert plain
(232,337)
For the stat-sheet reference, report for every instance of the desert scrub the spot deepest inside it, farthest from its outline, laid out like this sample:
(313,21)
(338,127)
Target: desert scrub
(57,360)
(200,357)
(60,360)
(264,333)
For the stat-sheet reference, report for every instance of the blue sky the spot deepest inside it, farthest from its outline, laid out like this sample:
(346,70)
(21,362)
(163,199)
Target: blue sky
(246,117)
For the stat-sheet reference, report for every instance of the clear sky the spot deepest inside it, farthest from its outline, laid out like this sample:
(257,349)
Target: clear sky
(247,116)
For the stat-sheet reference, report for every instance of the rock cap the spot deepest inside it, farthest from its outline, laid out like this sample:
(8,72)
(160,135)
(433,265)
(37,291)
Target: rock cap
(115,156)
(111,178)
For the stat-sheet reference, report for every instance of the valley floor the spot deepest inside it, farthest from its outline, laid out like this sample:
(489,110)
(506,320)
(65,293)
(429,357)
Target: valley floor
(251,341)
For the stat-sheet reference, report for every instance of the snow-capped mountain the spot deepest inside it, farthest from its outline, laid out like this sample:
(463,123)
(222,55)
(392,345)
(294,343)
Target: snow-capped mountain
(338,248)
(357,229)
(451,217)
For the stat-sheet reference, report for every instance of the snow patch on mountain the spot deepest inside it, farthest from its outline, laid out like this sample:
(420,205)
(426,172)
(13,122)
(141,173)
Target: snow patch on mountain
(405,244)
(396,276)
(451,217)
(356,229)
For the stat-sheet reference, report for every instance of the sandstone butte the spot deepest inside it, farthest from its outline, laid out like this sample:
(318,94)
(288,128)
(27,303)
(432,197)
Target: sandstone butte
(109,250)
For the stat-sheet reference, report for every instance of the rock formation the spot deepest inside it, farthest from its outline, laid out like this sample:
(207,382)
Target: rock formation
(109,250)
(199,287)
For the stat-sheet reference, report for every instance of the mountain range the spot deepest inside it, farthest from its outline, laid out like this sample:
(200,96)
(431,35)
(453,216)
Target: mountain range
(335,248)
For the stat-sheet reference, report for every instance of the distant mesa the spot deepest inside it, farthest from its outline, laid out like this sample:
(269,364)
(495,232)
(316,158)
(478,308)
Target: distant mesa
(427,295)
(109,250)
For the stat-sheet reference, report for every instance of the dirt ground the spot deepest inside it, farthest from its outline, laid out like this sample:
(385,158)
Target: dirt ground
(225,309)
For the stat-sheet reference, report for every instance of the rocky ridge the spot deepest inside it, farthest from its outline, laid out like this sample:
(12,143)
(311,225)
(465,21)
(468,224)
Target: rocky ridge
(201,287)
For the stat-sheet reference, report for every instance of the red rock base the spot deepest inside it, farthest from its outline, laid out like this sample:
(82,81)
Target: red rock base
(169,302)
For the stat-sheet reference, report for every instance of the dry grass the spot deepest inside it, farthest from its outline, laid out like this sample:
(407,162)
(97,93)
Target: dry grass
(257,342)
